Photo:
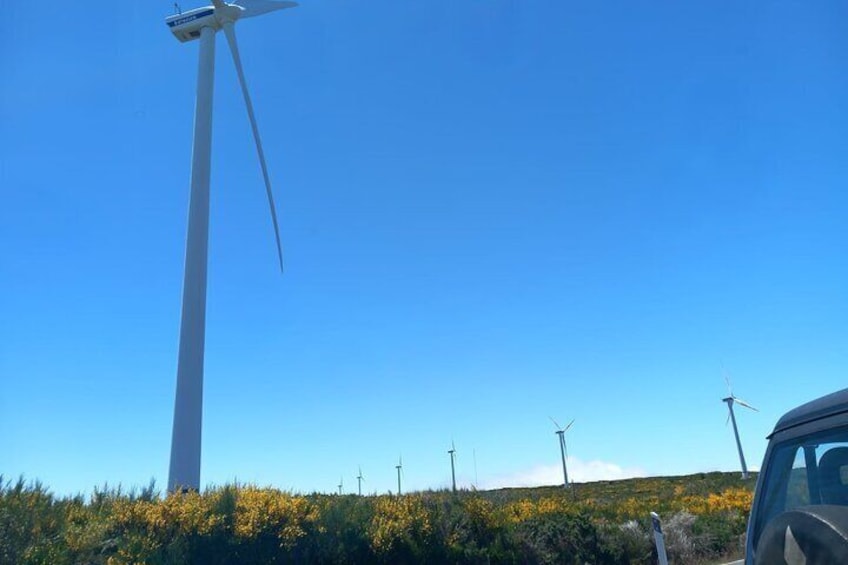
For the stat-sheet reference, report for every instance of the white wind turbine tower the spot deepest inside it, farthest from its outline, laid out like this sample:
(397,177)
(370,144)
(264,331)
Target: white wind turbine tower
(341,485)
(359,479)
(399,468)
(562,449)
(452,452)
(731,417)
(203,24)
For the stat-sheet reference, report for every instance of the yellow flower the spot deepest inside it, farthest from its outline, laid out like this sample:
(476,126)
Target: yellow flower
(263,510)
(396,518)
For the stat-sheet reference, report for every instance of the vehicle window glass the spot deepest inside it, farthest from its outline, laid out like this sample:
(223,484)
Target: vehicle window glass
(798,488)
(809,470)
(833,472)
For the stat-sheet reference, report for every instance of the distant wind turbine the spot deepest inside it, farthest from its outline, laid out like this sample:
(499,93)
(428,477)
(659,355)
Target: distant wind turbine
(562,449)
(341,484)
(731,417)
(399,468)
(359,479)
(203,24)
(452,452)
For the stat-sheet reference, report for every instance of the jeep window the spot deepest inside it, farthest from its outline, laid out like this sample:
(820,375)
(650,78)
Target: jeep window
(808,470)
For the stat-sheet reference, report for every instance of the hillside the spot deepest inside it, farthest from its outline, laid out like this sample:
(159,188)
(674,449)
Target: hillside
(662,488)
(704,517)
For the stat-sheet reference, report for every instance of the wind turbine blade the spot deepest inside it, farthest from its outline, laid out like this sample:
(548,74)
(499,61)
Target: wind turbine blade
(727,381)
(229,31)
(558,427)
(726,422)
(259,7)
(743,403)
(568,426)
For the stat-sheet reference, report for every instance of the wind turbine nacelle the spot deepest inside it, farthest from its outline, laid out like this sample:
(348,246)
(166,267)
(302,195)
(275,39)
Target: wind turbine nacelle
(187,26)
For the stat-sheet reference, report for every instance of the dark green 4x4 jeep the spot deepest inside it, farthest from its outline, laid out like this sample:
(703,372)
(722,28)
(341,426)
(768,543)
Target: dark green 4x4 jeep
(800,510)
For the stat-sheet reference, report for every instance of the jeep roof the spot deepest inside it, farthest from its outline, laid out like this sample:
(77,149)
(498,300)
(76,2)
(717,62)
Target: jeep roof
(829,405)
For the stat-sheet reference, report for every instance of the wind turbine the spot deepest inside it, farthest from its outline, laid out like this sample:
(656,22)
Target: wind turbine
(562,449)
(399,468)
(359,479)
(731,417)
(474,454)
(203,24)
(341,484)
(452,452)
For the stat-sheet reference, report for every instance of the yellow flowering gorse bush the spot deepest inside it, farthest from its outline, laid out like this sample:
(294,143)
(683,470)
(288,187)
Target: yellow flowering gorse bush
(396,518)
(731,500)
(263,510)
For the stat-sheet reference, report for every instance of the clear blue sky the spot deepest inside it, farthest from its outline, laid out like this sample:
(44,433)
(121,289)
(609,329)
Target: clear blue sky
(492,211)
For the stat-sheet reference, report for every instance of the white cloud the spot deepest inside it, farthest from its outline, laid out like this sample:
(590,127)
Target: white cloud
(578,471)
